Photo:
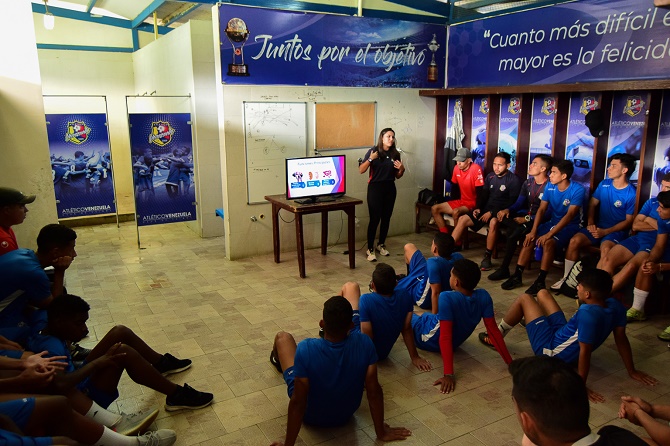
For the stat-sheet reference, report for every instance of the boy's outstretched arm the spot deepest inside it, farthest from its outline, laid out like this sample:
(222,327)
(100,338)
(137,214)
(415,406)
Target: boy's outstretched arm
(435,290)
(296,410)
(583,367)
(497,339)
(376,401)
(448,381)
(408,336)
(626,353)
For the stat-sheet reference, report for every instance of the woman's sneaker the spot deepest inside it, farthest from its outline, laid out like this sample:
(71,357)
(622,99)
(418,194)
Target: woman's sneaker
(168,364)
(186,397)
(382,249)
(371,256)
(161,437)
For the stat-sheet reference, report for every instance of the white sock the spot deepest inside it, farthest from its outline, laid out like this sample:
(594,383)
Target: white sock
(103,416)
(109,438)
(639,298)
(568,266)
(504,327)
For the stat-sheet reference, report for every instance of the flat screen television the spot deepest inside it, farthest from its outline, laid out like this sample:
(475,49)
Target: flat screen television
(319,178)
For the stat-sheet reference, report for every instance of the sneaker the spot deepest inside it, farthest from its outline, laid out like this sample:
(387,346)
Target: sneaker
(633,315)
(136,423)
(665,335)
(511,283)
(484,339)
(274,359)
(168,364)
(486,264)
(535,288)
(161,437)
(186,397)
(499,274)
(382,249)
(79,353)
(371,256)
(557,285)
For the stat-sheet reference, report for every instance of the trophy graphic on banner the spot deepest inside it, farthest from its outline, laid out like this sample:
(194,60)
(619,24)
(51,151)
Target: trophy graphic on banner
(238,34)
(432,68)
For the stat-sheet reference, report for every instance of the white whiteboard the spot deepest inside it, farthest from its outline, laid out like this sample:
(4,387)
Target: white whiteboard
(273,131)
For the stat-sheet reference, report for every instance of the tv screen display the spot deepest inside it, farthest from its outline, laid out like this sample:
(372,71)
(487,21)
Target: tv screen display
(318,176)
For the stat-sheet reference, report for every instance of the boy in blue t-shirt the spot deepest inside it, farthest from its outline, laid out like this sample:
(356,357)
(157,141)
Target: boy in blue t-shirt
(563,200)
(427,278)
(657,262)
(459,312)
(325,377)
(575,340)
(615,199)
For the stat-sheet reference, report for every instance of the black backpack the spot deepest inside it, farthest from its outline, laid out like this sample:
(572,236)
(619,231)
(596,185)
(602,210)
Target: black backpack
(428,197)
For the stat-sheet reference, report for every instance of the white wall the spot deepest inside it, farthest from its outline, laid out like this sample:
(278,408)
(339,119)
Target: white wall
(24,148)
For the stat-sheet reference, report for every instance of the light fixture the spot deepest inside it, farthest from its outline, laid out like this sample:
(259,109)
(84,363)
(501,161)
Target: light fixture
(49,18)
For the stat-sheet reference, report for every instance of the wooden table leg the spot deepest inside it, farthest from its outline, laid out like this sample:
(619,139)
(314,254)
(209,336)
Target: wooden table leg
(301,244)
(275,231)
(324,232)
(351,235)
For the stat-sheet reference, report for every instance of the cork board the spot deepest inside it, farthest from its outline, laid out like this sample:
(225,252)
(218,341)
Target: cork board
(345,125)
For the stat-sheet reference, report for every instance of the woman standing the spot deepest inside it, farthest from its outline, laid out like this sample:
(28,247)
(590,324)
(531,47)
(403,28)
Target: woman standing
(385,166)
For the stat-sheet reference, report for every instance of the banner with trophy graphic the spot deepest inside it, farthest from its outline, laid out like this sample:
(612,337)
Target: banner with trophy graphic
(510,108)
(662,161)
(266,47)
(580,142)
(81,164)
(162,156)
(542,125)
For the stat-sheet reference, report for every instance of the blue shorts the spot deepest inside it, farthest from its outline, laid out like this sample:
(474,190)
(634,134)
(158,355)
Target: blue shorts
(635,245)
(103,398)
(416,281)
(564,235)
(616,237)
(541,331)
(16,354)
(356,319)
(18,410)
(426,329)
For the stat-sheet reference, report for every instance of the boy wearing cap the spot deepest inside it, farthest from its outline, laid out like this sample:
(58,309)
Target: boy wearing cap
(470,180)
(12,212)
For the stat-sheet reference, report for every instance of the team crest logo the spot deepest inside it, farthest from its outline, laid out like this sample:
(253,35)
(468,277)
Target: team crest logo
(502,187)
(566,202)
(549,105)
(77,132)
(540,196)
(514,106)
(588,103)
(484,106)
(4,244)
(161,133)
(634,105)
(617,204)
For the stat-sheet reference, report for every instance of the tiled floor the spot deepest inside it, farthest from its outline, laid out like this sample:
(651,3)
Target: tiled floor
(181,295)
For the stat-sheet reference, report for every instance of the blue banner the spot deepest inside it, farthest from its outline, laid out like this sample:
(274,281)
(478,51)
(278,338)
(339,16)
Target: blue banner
(584,41)
(81,165)
(580,143)
(662,162)
(480,115)
(542,125)
(627,126)
(265,47)
(510,107)
(162,155)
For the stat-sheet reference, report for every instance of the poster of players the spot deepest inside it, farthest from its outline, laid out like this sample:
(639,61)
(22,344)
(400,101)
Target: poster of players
(542,125)
(480,115)
(662,160)
(510,107)
(162,157)
(627,126)
(81,164)
(579,144)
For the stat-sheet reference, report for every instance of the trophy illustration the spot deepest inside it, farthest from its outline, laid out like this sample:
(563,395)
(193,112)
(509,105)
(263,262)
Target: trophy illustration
(432,68)
(238,34)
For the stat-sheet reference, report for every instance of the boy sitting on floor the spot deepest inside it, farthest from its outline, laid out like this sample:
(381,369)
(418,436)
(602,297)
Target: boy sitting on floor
(575,340)
(67,318)
(427,278)
(459,312)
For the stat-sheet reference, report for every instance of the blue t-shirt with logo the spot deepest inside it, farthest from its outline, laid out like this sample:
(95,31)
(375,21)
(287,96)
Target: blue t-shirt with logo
(560,202)
(650,209)
(387,316)
(464,311)
(615,204)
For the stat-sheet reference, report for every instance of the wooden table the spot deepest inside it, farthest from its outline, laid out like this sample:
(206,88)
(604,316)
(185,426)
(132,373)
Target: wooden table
(346,204)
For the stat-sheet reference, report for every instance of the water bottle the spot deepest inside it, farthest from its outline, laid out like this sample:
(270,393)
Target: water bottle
(538,253)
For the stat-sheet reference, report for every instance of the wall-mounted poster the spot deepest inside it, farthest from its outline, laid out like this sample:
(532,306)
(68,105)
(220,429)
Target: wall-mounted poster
(510,108)
(542,125)
(162,156)
(580,143)
(662,161)
(81,164)
(480,114)
(270,47)
(627,126)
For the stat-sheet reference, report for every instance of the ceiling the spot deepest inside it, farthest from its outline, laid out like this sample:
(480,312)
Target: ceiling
(172,13)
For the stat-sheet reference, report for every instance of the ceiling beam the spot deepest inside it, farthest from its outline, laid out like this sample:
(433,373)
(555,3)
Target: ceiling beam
(149,10)
(91,4)
(289,5)
(186,10)
(430,6)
